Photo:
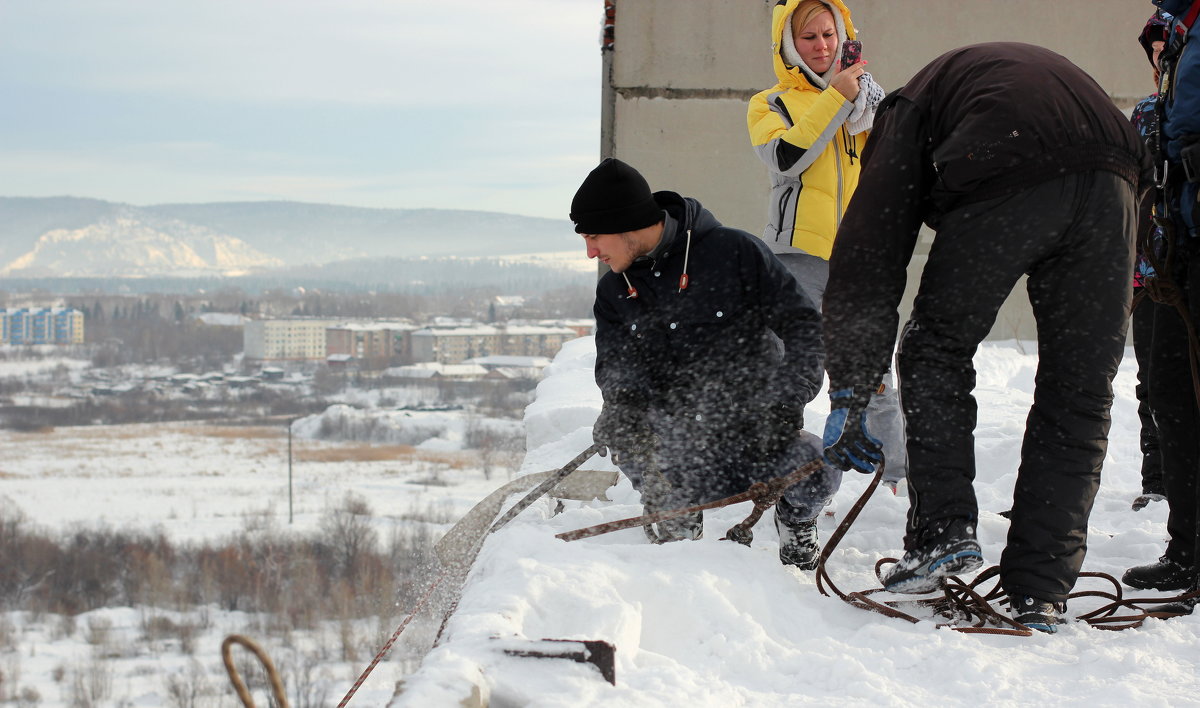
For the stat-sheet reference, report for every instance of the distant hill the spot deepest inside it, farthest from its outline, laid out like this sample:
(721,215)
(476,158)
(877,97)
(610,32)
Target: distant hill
(56,237)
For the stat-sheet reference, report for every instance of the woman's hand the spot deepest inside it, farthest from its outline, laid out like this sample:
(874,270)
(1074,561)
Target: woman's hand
(846,80)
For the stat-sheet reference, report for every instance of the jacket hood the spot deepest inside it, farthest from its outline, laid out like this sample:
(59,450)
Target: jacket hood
(1156,30)
(687,212)
(1175,7)
(790,75)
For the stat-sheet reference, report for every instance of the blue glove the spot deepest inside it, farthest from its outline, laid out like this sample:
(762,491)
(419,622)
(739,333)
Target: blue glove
(848,443)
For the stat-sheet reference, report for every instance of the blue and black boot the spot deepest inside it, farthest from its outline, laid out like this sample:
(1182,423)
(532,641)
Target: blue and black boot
(1042,615)
(953,550)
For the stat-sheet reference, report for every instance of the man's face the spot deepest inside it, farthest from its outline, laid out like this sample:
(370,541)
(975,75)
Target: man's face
(616,250)
(1156,47)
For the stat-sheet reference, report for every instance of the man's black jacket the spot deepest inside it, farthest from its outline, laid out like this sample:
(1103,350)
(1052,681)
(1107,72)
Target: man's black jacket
(740,339)
(978,122)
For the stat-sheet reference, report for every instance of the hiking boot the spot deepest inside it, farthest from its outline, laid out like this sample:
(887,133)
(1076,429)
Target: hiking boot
(953,550)
(659,495)
(1143,500)
(798,543)
(1179,607)
(689,527)
(1165,574)
(1042,615)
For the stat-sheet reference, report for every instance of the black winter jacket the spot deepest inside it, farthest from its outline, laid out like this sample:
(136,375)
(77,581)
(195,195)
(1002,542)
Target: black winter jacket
(976,123)
(739,339)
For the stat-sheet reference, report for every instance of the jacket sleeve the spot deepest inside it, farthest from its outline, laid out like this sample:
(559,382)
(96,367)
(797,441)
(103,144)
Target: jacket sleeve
(1182,116)
(619,375)
(790,144)
(795,319)
(868,266)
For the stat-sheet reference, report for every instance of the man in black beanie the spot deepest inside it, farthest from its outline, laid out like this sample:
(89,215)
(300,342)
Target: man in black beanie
(707,351)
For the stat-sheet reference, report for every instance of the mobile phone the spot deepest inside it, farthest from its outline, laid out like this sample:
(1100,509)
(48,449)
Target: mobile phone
(851,52)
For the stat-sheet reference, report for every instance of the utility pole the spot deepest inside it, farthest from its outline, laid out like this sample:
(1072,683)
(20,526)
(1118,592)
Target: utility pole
(289,428)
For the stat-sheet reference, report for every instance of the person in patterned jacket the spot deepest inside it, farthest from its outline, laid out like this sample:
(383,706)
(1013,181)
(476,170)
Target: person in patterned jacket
(1145,120)
(1175,346)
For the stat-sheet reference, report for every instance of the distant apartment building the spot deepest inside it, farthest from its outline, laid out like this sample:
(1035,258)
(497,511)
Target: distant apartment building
(582,327)
(369,341)
(47,325)
(452,345)
(288,339)
(380,343)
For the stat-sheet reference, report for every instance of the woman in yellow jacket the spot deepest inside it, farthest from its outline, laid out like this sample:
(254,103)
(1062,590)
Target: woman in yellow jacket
(809,129)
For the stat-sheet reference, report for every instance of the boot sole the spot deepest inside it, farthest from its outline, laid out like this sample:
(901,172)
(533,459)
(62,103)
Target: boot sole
(1164,587)
(1040,626)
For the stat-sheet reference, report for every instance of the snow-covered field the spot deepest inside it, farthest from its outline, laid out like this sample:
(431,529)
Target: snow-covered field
(201,483)
(705,623)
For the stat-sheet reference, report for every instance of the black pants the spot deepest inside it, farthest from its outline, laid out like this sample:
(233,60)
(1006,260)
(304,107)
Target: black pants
(1142,324)
(1073,236)
(699,460)
(1175,408)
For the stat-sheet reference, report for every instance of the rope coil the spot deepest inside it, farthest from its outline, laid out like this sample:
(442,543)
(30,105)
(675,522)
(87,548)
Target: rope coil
(965,603)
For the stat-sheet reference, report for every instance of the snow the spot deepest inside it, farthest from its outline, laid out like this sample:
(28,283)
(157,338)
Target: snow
(713,623)
(703,623)
(37,368)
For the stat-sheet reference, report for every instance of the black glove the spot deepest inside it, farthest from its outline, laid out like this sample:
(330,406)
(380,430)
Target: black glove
(624,430)
(848,443)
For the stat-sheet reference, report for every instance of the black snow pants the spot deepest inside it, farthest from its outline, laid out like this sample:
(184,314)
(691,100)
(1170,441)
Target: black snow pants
(1142,324)
(701,459)
(1073,236)
(1175,407)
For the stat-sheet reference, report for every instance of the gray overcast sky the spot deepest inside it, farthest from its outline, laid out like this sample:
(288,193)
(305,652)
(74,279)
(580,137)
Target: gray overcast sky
(475,104)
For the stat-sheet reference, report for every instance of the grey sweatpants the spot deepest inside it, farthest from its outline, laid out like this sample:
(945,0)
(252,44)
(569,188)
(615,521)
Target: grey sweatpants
(885,419)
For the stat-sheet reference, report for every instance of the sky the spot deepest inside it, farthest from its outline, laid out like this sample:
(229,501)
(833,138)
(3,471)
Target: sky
(474,104)
(703,623)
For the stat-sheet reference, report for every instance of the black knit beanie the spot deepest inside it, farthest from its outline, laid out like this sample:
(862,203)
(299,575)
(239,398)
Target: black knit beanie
(614,198)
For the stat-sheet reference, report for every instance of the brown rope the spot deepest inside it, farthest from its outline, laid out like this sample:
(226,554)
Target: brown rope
(388,645)
(763,494)
(273,675)
(966,604)
(240,686)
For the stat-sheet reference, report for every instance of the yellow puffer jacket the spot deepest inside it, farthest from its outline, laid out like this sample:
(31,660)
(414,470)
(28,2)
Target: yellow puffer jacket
(797,128)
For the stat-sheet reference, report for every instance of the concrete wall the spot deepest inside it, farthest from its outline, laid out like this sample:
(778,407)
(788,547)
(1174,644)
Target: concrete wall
(682,71)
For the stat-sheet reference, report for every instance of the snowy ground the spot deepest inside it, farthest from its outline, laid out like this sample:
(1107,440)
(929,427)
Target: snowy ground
(194,483)
(712,623)
(706,623)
